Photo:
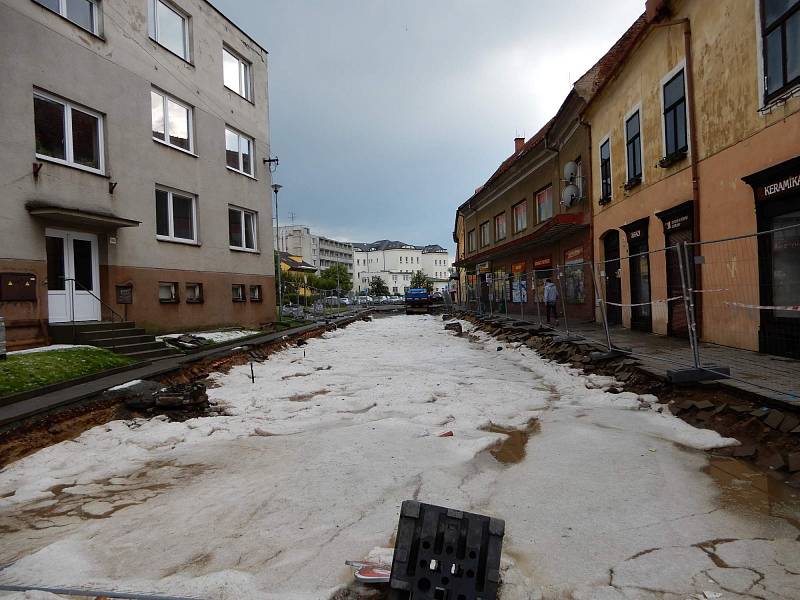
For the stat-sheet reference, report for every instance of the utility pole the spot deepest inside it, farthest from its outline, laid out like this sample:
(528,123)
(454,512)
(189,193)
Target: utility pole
(276,188)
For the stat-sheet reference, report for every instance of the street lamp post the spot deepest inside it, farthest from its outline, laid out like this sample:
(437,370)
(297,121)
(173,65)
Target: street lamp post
(276,188)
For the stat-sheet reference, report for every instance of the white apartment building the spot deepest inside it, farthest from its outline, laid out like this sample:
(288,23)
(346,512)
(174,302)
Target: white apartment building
(134,135)
(396,263)
(317,250)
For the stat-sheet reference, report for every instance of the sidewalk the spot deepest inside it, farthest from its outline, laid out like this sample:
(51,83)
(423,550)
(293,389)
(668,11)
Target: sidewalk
(39,404)
(772,377)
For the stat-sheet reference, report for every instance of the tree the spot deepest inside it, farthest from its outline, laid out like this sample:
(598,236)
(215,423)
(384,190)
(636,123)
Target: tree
(336,277)
(378,287)
(420,280)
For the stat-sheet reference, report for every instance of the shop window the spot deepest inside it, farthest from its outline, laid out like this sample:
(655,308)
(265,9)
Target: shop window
(172,121)
(675,140)
(67,133)
(780,31)
(633,150)
(500,227)
(167,292)
(255,293)
(237,292)
(605,172)
(81,12)
(194,293)
(544,204)
(574,290)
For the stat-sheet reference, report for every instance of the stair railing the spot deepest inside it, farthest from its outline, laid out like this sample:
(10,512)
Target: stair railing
(83,288)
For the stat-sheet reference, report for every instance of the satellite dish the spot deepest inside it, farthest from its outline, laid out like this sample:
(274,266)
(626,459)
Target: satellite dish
(570,194)
(570,171)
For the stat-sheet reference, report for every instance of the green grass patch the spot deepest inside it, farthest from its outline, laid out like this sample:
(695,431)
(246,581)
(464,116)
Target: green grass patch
(23,372)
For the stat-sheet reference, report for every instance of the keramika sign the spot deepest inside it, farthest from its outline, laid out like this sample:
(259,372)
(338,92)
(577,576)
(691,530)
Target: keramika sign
(787,185)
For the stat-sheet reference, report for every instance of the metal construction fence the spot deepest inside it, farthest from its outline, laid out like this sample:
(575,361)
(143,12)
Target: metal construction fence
(739,292)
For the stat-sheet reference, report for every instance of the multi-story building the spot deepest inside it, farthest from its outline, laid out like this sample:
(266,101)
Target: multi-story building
(531,222)
(696,136)
(133,140)
(396,263)
(317,250)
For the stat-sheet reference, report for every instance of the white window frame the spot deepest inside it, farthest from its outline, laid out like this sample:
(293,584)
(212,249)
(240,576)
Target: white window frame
(252,152)
(151,9)
(245,74)
(173,287)
(62,12)
(239,286)
(242,212)
(603,140)
(198,291)
(680,66)
(634,109)
(497,237)
(171,217)
(165,107)
(68,148)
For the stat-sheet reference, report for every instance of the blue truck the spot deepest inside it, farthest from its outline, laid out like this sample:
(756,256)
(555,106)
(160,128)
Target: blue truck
(418,301)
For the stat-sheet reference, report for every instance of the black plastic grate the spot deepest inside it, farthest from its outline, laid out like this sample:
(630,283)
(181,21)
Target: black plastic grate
(446,554)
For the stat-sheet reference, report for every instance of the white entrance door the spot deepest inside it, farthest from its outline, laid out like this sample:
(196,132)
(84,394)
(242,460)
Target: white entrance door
(73,276)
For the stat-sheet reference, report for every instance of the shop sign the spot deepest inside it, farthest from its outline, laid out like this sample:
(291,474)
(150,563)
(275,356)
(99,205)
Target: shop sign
(637,230)
(779,188)
(574,255)
(677,223)
(517,268)
(488,278)
(542,263)
(483,267)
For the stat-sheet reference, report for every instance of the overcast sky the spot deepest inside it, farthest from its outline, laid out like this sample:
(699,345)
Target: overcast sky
(387,114)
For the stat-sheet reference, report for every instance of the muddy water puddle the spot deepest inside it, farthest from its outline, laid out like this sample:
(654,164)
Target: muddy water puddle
(746,488)
(511,449)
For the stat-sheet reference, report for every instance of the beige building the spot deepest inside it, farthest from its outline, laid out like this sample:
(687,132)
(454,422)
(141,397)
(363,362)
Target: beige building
(134,183)
(696,136)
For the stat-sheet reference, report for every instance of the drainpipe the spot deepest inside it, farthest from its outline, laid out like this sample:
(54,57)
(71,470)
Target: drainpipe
(690,104)
(587,168)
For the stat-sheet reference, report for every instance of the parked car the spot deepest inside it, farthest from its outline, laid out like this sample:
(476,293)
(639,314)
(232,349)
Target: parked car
(345,301)
(437,296)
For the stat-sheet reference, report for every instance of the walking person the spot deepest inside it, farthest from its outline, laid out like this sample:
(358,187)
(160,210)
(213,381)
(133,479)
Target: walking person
(550,298)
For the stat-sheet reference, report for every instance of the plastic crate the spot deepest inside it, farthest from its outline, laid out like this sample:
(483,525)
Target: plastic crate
(445,554)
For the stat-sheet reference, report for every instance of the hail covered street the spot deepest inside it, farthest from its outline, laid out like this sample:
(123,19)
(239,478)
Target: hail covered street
(603,495)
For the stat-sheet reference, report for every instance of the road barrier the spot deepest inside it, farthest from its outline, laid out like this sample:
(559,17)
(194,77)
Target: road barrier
(740,292)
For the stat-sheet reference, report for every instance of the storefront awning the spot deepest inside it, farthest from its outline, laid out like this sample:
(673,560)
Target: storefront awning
(559,227)
(76,216)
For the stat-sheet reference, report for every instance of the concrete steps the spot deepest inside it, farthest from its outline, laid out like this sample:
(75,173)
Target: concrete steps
(120,337)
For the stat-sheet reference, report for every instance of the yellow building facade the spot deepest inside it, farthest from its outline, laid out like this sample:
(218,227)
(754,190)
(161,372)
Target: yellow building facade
(696,123)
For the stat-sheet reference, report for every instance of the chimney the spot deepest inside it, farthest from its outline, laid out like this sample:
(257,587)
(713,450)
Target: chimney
(519,142)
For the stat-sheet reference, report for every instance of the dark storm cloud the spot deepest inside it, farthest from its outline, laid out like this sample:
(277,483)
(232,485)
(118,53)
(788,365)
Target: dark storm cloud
(386,115)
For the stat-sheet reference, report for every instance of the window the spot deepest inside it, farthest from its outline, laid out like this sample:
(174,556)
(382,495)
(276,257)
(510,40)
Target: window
(67,133)
(237,292)
(675,116)
(194,293)
(167,292)
(500,227)
(175,216)
(605,172)
(169,27)
(81,12)
(633,148)
(255,293)
(520,212)
(544,204)
(471,241)
(236,74)
(484,229)
(780,30)
(238,152)
(242,228)
(172,121)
